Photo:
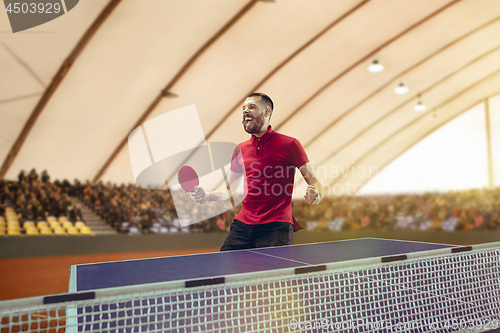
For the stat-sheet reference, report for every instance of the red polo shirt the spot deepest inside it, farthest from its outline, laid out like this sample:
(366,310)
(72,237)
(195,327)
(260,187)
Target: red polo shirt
(268,164)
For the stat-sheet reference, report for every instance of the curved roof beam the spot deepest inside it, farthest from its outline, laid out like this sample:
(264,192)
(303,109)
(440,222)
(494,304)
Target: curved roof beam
(373,124)
(430,132)
(365,58)
(389,82)
(56,81)
(287,60)
(402,129)
(166,91)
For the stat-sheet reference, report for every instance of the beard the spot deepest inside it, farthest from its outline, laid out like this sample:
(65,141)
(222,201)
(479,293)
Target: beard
(254,126)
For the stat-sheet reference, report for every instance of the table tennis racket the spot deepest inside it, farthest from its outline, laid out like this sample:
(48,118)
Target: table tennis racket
(188,178)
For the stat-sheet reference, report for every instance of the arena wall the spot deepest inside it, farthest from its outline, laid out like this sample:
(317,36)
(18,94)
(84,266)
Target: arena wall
(24,247)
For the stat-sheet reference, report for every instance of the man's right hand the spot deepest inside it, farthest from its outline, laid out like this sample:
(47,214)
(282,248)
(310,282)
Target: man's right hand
(199,195)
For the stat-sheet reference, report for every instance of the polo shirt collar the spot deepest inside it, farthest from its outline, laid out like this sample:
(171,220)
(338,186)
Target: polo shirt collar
(266,135)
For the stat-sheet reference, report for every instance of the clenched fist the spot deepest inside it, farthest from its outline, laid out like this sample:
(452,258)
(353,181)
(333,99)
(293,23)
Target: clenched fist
(312,195)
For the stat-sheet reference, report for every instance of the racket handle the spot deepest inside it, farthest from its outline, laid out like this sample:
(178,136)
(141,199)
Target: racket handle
(205,198)
(206,195)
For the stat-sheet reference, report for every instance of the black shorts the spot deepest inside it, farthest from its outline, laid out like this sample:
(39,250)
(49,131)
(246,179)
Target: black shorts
(245,236)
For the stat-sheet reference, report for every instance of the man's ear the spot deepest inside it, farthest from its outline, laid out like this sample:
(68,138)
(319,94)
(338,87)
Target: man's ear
(268,112)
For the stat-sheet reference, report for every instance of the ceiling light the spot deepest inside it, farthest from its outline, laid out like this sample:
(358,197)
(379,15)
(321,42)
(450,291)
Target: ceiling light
(419,106)
(375,67)
(401,89)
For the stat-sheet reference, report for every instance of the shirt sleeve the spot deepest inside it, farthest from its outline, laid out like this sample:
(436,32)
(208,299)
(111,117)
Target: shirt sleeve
(237,161)
(298,154)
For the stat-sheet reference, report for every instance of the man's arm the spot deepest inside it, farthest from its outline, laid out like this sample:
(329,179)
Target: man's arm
(220,194)
(315,190)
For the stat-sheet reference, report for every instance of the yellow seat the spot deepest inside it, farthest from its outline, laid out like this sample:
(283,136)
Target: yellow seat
(51,219)
(32,231)
(63,219)
(67,225)
(2,219)
(14,232)
(42,224)
(54,224)
(59,231)
(9,223)
(45,231)
(72,231)
(79,224)
(2,232)
(29,224)
(13,226)
(85,231)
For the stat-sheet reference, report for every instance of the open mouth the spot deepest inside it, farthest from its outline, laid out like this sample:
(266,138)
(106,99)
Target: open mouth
(247,120)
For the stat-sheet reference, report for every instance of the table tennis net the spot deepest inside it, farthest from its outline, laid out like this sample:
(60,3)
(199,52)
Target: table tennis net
(435,291)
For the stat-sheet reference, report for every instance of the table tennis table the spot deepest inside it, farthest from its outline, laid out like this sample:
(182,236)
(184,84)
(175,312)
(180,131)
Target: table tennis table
(214,265)
(358,285)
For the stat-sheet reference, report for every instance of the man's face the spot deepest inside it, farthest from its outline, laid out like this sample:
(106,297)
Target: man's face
(253,114)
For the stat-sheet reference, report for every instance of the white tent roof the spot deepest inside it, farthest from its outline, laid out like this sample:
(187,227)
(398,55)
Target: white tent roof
(73,89)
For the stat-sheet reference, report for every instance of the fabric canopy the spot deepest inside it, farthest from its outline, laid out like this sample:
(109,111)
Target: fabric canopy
(73,89)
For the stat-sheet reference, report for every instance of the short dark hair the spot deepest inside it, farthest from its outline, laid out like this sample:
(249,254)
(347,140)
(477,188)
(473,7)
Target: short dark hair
(264,97)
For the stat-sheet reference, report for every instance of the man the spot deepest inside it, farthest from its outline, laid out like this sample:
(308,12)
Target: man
(267,162)
(75,214)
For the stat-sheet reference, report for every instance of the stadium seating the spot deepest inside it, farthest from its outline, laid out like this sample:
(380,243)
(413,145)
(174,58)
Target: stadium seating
(31,231)
(85,231)
(13,230)
(66,225)
(42,224)
(54,225)
(79,225)
(72,230)
(46,231)
(59,231)
(28,224)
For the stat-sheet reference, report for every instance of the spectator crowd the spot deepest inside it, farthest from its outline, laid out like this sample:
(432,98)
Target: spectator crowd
(457,210)
(124,206)
(34,196)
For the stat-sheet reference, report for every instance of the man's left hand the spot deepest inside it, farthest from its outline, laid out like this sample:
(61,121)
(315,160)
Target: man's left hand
(312,195)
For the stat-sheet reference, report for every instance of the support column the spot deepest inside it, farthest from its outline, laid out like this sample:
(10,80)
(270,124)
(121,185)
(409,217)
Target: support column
(488,143)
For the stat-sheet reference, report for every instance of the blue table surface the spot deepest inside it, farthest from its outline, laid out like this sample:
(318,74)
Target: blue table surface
(199,266)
